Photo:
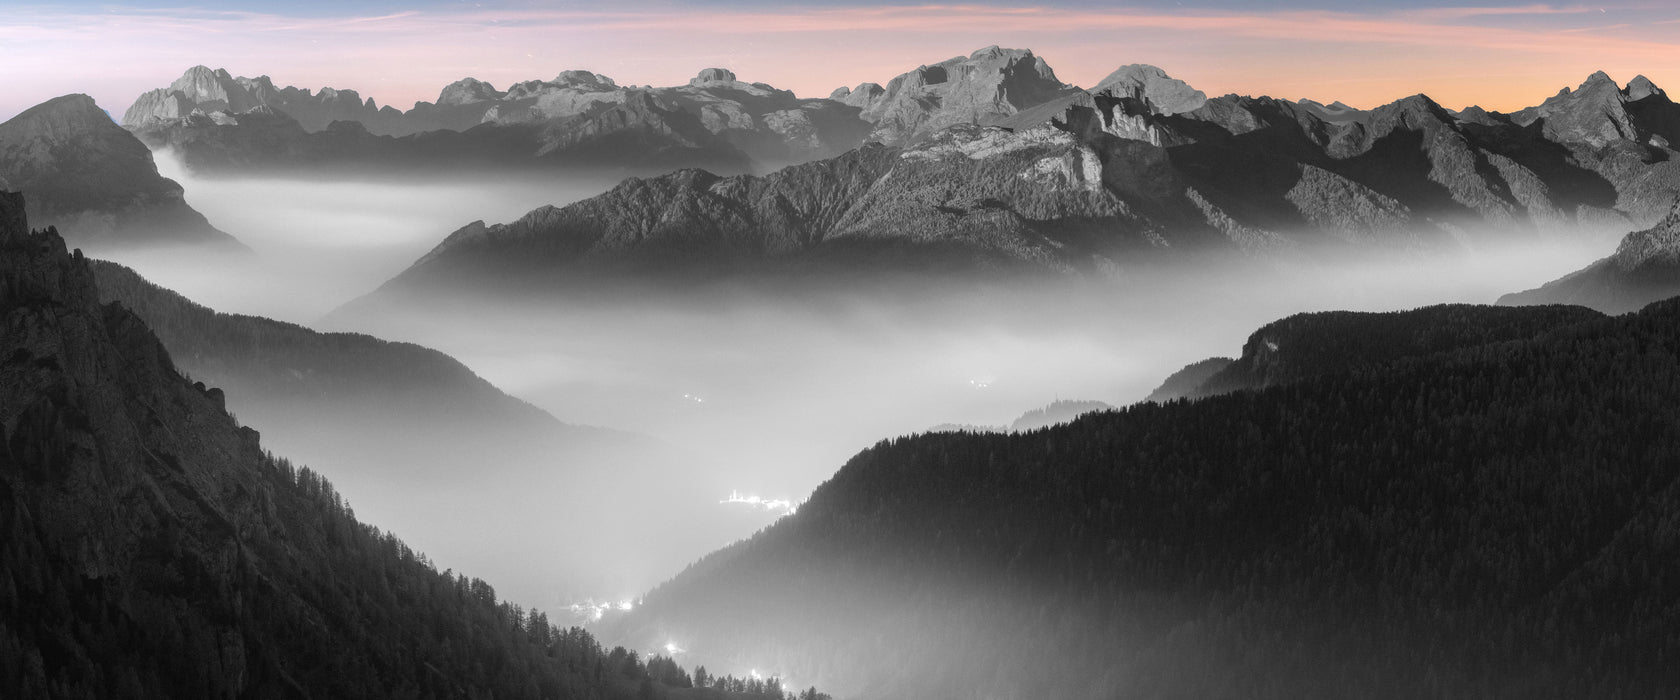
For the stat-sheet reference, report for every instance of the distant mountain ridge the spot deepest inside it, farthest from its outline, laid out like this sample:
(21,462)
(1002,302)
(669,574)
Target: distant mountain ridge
(578,119)
(95,181)
(1086,182)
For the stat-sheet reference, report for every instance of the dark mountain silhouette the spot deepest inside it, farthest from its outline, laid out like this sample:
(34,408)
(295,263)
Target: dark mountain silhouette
(152,548)
(1644,268)
(94,181)
(400,425)
(1488,514)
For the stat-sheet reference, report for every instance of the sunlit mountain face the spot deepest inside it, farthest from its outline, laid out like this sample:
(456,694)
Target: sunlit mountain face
(899,351)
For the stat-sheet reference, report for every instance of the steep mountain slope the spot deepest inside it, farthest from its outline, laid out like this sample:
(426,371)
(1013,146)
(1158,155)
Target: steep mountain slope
(1644,268)
(95,181)
(412,434)
(152,548)
(1489,521)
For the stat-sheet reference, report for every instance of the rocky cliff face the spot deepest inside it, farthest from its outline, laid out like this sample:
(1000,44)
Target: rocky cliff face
(1645,268)
(95,181)
(985,87)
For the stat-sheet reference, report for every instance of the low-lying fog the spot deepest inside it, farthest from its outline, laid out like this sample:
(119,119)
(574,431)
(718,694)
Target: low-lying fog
(320,243)
(776,392)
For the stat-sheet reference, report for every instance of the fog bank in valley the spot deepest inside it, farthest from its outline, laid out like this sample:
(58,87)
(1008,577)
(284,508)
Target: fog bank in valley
(763,392)
(321,242)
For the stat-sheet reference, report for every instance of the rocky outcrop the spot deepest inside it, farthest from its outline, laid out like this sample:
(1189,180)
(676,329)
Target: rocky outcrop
(985,87)
(95,181)
(1645,268)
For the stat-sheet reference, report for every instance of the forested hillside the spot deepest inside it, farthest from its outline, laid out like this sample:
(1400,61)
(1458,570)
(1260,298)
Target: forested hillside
(1493,515)
(152,548)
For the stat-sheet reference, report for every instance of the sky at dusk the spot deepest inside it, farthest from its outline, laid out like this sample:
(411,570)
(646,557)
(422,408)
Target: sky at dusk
(1501,55)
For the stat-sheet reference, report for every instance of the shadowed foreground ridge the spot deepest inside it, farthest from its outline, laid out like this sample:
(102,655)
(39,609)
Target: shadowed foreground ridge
(1493,519)
(153,549)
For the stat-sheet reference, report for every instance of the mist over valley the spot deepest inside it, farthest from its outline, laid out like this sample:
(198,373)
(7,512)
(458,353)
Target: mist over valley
(968,383)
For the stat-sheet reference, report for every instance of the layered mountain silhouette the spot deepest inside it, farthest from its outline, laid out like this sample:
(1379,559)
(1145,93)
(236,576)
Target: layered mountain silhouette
(154,549)
(1140,168)
(417,435)
(1471,501)
(1644,268)
(95,181)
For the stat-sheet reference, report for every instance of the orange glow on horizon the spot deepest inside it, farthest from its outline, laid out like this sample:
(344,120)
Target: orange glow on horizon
(1501,58)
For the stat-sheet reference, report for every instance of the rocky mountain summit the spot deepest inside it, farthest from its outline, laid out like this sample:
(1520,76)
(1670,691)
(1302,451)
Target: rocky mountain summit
(1645,268)
(95,181)
(986,87)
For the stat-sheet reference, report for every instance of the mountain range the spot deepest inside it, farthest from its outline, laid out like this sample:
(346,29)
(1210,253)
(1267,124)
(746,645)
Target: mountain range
(1088,182)
(1463,501)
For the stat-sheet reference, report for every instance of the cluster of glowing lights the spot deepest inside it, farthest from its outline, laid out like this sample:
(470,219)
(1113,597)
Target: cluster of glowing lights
(673,648)
(593,611)
(781,505)
(981,382)
(696,398)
